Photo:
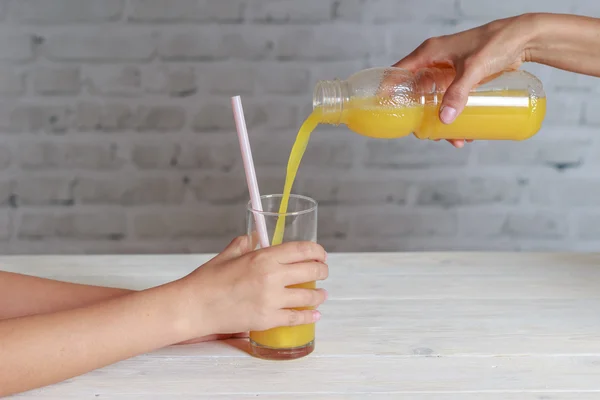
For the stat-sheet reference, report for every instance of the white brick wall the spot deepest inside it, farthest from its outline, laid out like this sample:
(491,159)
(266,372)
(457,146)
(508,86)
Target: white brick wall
(116,131)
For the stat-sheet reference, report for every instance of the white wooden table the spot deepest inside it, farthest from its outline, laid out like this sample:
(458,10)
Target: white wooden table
(416,326)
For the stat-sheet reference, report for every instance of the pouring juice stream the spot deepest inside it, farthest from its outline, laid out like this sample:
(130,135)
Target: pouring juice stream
(386,103)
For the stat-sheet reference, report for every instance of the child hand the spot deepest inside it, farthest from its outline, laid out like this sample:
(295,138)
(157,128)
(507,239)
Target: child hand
(241,290)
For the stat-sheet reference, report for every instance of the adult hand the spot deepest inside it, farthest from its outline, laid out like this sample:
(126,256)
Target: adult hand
(474,54)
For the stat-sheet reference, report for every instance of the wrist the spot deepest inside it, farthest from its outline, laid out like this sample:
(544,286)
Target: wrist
(534,27)
(192,317)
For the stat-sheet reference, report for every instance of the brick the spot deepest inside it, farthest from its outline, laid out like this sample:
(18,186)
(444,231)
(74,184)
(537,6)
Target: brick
(192,45)
(36,191)
(555,154)
(5,157)
(275,115)
(541,192)
(57,80)
(6,196)
(334,70)
(50,155)
(111,46)
(4,8)
(329,43)
(578,192)
(588,226)
(164,10)
(285,80)
(160,118)
(350,10)
(12,81)
(584,7)
(591,114)
(508,8)
(538,225)
(218,117)
(332,224)
(382,11)
(251,43)
(275,151)
(108,117)
(474,191)
(220,189)
(113,80)
(228,189)
(6,225)
(97,225)
(355,191)
(155,156)
(208,156)
(174,81)
(44,118)
(127,192)
(186,10)
(482,224)
(230,80)
(413,153)
(16,47)
(328,153)
(561,80)
(566,109)
(65,11)
(291,11)
(396,224)
(407,37)
(230,11)
(221,221)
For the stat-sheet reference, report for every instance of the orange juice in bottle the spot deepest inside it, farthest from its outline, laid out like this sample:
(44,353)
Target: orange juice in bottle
(388,103)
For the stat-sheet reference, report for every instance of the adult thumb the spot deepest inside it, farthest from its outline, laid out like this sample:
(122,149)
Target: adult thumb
(456,96)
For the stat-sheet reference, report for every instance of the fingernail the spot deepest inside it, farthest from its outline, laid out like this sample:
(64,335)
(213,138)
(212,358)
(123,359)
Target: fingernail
(325,256)
(316,315)
(447,114)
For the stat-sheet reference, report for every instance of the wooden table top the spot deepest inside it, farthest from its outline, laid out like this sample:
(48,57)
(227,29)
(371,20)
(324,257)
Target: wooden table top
(422,326)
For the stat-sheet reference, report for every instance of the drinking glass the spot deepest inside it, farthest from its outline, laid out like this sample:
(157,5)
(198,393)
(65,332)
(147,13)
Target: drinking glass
(287,342)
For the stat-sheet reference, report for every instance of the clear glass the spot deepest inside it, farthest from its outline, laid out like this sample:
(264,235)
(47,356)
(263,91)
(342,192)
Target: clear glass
(391,102)
(286,343)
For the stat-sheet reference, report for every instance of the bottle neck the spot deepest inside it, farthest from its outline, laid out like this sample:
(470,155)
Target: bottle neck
(330,97)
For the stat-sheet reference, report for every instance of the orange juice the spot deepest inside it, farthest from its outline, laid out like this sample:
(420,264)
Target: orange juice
(488,115)
(503,115)
(287,337)
(290,336)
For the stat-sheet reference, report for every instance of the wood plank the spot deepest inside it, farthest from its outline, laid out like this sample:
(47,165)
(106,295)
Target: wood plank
(530,277)
(402,263)
(537,395)
(447,328)
(189,376)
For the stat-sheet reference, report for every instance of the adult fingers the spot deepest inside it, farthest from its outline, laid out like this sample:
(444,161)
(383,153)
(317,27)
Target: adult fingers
(468,75)
(423,56)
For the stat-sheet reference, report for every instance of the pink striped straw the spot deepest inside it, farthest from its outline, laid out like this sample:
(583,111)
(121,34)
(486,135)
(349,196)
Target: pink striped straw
(242,131)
